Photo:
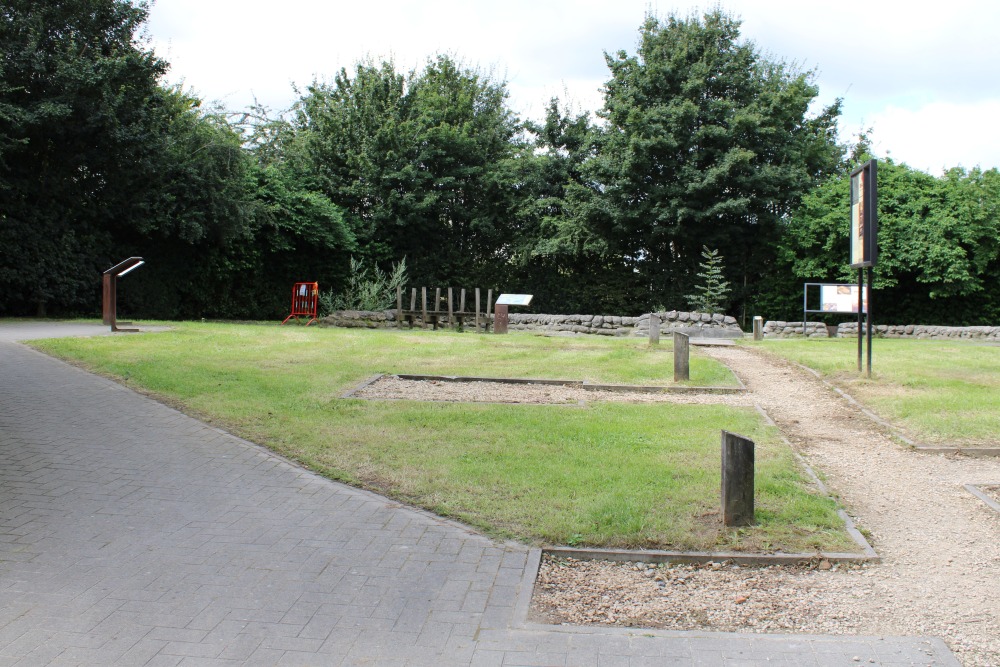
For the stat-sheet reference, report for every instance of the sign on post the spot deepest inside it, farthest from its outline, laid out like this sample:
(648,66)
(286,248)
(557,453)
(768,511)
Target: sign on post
(864,246)
(110,290)
(500,313)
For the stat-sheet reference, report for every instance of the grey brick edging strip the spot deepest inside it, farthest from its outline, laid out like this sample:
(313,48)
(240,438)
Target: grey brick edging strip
(372,380)
(975,490)
(656,556)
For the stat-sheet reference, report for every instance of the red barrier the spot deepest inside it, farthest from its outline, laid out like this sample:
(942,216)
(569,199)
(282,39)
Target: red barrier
(305,302)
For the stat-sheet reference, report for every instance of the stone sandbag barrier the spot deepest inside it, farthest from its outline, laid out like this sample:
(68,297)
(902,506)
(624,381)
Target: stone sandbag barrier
(694,324)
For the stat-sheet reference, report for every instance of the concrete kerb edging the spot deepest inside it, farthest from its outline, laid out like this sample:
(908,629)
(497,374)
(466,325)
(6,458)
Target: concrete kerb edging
(927,449)
(978,493)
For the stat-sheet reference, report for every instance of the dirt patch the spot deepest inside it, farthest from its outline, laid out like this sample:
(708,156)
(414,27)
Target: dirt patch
(719,596)
(392,387)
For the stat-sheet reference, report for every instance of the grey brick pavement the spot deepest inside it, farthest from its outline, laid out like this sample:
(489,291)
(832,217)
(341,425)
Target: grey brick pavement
(131,534)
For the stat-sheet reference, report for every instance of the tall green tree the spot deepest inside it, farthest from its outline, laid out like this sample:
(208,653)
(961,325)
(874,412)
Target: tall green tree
(80,105)
(420,163)
(706,142)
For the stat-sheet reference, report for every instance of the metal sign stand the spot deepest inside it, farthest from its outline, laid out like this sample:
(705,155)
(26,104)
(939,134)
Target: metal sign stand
(110,290)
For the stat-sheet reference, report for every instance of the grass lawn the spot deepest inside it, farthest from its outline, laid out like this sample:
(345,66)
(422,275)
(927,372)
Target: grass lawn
(609,474)
(938,392)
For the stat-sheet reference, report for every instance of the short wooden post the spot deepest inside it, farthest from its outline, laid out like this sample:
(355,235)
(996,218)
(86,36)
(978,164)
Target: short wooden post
(477,310)
(682,357)
(500,319)
(413,305)
(423,309)
(737,480)
(399,307)
(489,306)
(654,329)
(461,302)
(758,328)
(451,311)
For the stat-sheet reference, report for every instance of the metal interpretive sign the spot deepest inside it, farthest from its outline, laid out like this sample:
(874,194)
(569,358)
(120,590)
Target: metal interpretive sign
(515,299)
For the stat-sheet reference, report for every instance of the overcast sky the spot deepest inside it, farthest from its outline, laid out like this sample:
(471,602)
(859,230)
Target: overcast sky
(925,76)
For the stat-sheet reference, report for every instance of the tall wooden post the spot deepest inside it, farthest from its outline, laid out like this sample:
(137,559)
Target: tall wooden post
(399,306)
(489,305)
(477,310)
(423,309)
(737,480)
(451,311)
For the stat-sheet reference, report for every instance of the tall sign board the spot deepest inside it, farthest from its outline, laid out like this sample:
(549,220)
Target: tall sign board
(864,216)
(864,244)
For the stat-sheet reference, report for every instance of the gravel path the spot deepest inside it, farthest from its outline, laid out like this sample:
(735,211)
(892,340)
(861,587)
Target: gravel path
(940,545)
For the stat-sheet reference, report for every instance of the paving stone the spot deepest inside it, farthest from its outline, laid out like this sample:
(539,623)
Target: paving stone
(131,534)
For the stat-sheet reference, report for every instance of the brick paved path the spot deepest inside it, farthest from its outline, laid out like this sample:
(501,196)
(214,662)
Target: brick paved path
(131,534)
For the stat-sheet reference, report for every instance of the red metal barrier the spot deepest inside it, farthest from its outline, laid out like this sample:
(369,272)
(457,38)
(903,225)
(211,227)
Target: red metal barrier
(305,302)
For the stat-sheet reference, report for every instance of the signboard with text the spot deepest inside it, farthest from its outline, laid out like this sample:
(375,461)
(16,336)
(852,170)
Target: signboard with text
(864,216)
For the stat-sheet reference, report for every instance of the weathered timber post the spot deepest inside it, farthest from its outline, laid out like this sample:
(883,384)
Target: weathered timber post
(413,305)
(399,306)
(500,318)
(654,329)
(758,328)
(489,305)
(477,310)
(423,301)
(451,311)
(737,480)
(682,357)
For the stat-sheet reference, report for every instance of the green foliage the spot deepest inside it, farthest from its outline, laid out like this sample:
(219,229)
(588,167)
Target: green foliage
(366,290)
(939,243)
(710,295)
(80,109)
(706,142)
(420,162)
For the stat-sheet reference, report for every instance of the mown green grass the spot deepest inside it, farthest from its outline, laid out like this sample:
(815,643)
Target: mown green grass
(607,474)
(938,392)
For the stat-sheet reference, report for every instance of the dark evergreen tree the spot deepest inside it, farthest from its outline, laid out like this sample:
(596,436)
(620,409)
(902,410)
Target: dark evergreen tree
(706,142)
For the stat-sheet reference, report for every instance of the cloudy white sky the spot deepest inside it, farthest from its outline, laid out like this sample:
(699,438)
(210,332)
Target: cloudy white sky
(925,76)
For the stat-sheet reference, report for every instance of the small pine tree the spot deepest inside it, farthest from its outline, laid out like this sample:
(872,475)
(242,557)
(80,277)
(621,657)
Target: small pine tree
(712,293)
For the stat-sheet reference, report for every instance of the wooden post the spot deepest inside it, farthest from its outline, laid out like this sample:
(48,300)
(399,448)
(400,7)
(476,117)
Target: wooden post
(477,310)
(489,302)
(399,307)
(737,480)
(682,357)
(451,311)
(413,305)
(423,302)
(461,303)
(437,307)
(654,329)
(758,328)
